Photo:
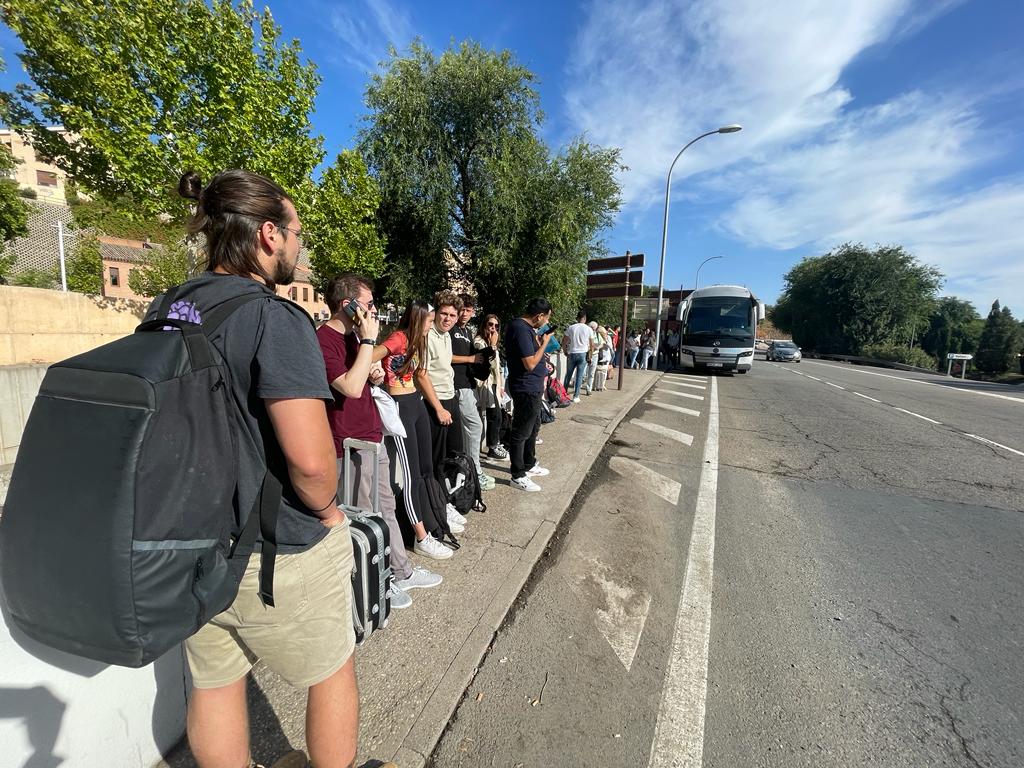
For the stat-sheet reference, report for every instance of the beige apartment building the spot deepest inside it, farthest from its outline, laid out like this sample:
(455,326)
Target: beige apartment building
(34,171)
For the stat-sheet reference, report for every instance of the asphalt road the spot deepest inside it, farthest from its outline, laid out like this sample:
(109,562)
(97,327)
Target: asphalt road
(851,594)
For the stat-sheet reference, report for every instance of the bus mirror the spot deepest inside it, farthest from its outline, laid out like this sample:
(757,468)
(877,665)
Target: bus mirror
(680,309)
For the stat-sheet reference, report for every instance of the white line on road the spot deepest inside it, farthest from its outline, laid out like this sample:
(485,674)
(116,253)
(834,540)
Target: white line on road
(674,383)
(653,481)
(997,445)
(835,385)
(676,408)
(679,732)
(855,369)
(918,415)
(812,377)
(858,394)
(663,391)
(675,434)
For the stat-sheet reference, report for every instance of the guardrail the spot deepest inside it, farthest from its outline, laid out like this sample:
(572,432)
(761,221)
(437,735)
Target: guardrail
(873,361)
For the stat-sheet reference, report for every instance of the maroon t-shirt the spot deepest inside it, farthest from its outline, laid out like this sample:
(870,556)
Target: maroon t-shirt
(350,417)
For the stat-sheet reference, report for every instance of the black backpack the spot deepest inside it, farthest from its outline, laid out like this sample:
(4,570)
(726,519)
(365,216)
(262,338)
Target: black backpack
(116,537)
(462,484)
(435,519)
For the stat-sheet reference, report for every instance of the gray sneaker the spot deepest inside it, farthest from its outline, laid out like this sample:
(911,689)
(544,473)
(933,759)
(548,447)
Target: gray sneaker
(399,597)
(421,578)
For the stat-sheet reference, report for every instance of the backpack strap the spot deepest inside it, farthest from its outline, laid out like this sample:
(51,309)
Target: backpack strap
(216,317)
(263,519)
(165,303)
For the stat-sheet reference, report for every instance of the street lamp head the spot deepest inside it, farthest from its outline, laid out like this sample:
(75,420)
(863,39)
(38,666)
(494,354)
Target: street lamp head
(732,128)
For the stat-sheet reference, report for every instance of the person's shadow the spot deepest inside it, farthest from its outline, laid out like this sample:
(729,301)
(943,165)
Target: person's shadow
(43,713)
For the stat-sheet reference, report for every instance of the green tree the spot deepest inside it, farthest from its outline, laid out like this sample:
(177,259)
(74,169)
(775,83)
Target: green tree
(167,266)
(13,209)
(85,267)
(468,188)
(954,326)
(339,221)
(854,296)
(1000,341)
(151,88)
(37,278)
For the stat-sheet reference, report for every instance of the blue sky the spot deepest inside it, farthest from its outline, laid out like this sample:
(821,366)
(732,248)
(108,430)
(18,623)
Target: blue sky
(882,121)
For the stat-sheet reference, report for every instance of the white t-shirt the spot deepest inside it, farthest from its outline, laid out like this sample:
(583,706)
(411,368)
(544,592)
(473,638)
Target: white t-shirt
(578,336)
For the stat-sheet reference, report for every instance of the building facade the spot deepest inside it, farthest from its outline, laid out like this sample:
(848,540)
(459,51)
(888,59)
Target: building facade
(33,171)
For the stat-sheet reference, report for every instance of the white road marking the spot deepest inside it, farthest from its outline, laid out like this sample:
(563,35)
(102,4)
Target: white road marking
(679,732)
(856,369)
(858,394)
(994,443)
(675,383)
(917,415)
(662,391)
(656,483)
(622,621)
(676,408)
(812,377)
(675,434)
(835,385)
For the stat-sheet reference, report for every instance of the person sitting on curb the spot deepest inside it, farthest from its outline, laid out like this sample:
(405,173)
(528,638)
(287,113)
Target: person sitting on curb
(464,357)
(436,380)
(347,342)
(526,373)
(401,354)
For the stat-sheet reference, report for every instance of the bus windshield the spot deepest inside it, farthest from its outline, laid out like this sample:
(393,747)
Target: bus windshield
(720,316)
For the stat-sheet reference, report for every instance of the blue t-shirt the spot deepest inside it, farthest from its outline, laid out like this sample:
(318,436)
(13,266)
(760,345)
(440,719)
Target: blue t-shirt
(520,342)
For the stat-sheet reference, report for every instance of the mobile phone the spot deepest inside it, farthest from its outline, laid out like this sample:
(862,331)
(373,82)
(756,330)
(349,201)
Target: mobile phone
(354,311)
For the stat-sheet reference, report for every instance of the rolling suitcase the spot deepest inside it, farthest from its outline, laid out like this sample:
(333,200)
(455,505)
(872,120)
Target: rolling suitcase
(371,575)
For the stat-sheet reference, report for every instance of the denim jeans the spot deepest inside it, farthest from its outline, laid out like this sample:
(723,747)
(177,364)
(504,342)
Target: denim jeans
(575,371)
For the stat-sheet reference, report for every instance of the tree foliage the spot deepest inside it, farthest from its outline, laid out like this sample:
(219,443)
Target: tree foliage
(37,278)
(164,268)
(13,209)
(85,267)
(467,186)
(150,88)
(954,326)
(339,221)
(1000,341)
(854,296)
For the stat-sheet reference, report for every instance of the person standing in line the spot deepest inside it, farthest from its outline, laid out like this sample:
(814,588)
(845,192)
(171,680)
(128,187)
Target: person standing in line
(252,241)
(646,347)
(347,341)
(632,349)
(526,373)
(576,345)
(491,391)
(595,343)
(436,379)
(464,357)
(401,354)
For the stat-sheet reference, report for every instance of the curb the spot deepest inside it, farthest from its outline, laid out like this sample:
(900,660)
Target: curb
(425,733)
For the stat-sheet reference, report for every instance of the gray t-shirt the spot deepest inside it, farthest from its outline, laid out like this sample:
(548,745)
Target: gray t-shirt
(271,351)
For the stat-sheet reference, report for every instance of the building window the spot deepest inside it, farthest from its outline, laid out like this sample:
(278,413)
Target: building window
(305,293)
(115,276)
(46,178)
(293,293)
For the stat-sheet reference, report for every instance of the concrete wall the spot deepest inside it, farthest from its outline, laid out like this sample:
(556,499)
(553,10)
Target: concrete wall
(18,387)
(43,326)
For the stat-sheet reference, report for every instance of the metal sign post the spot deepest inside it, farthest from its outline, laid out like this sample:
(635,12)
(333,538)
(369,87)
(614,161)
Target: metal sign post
(958,356)
(623,283)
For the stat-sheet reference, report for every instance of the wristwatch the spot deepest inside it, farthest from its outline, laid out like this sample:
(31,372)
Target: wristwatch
(371,342)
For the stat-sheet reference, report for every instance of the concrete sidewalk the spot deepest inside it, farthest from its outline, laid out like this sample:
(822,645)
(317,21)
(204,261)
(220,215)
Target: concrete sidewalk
(413,674)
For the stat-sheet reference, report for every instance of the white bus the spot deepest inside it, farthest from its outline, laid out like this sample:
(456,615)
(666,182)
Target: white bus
(718,325)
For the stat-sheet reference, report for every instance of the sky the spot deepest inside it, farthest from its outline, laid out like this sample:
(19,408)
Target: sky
(874,121)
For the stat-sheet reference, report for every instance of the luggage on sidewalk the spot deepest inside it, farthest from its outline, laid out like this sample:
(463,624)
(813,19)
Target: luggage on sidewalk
(142,431)
(557,395)
(435,519)
(371,548)
(463,484)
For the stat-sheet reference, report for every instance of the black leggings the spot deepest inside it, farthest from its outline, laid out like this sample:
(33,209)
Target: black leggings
(414,454)
(492,418)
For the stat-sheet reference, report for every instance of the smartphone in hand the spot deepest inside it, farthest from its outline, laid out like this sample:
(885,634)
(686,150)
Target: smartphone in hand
(355,312)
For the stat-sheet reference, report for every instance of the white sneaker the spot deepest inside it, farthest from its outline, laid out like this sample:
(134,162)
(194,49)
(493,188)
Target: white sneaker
(453,524)
(421,578)
(576,399)
(524,484)
(538,441)
(399,598)
(538,471)
(432,548)
(453,515)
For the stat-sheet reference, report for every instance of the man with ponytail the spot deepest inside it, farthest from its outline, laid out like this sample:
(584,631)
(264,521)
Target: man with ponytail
(302,627)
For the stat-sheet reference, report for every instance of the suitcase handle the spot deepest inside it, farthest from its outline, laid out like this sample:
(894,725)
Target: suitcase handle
(351,444)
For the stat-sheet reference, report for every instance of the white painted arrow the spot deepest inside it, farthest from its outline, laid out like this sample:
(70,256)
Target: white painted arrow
(622,618)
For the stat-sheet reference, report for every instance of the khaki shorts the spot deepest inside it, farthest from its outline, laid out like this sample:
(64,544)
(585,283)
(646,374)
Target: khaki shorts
(305,639)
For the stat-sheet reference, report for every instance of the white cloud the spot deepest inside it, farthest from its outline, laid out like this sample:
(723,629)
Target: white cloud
(812,168)
(365,29)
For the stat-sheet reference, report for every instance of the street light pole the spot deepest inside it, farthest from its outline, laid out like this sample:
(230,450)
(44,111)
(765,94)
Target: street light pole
(696,280)
(664,231)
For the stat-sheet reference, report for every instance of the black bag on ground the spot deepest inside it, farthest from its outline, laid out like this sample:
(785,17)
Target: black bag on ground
(371,550)
(435,519)
(139,554)
(462,484)
(547,413)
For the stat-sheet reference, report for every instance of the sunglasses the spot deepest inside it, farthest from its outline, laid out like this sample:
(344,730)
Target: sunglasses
(492,325)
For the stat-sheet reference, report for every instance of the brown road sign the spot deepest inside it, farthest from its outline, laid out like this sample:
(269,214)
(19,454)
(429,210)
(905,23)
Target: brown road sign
(616,292)
(615,278)
(615,262)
